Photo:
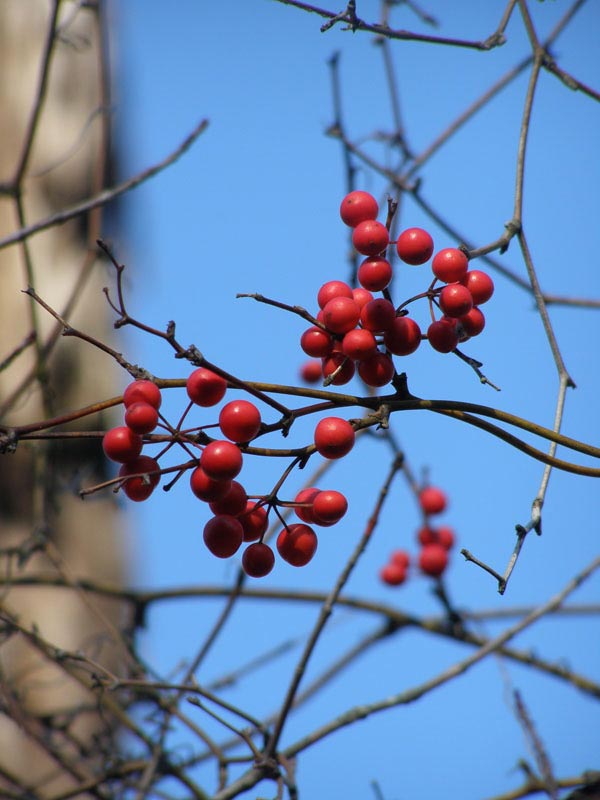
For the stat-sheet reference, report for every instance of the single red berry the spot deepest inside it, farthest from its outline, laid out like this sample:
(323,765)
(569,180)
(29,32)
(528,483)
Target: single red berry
(370,237)
(311,372)
(240,420)
(472,323)
(445,536)
(403,337)
(378,315)
(334,437)
(375,273)
(258,560)
(450,265)
(433,559)
(316,342)
(393,574)
(223,535)
(432,500)
(414,246)
(377,370)
(142,392)
(141,417)
(306,496)
(146,471)
(479,284)
(336,361)
(232,503)
(122,444)
(221,460)
(361,296)
(401,558)
(359,344)
(455,300)
(208,489)
(205,388)
(358,206)
(332,289)
(297,544)
(341,314)
(255,521)
(443,335)
(329,507)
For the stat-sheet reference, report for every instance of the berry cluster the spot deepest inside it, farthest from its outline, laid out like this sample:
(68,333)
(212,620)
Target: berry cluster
(435,542)
(360,332)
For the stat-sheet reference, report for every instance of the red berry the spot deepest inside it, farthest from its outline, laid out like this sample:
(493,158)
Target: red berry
(142,392)
(370,237)
(450,265)
(377,370)
(141,417)
(232,503)
(122,444)
(255,521)
(258,560)
(361,296)
(455,300)
(329,507)
(403,337)
(221,460)
(472,323)
(479,284)
(378,315)
(338,361)
(433,559)
(341,314)
(334,437)
(359,344)
(393,574)
(401,558)
(333,289)
(297,544)
(375,273)
(205,388)
(316,342)
(432,500)
(358,206)
(306,496)
(442,335)
(223,535)
(208,489)
(240,420)
(414,246)
(311,372)
(140,487)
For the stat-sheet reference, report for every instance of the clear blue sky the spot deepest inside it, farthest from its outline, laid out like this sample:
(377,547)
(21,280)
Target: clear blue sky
(254,207)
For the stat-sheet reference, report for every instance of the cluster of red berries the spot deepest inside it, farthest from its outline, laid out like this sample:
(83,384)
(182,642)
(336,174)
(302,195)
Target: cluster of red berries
(236,518)
(359,332)
(435,542)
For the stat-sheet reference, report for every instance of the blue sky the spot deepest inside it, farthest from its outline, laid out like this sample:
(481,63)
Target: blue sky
(254,207)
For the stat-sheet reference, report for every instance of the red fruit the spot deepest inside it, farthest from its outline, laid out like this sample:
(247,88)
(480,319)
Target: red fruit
(142,392)
(205,388)
(335,361)
(472,323)
(403,337)
(208,489)
(358,206)
(329,507)
(450,265)
(140,487)
(443,535)
(361,296)
(332,289)
(375,273)
(122,444)
(359,344)
(377,370)
(240,420)
(223,535)
(378,315)
(370,237)
(141,417)
(311,372)
(334,437)
(433,559)
(393,574)
(341,314)
(232,503)
(455,300)
(221,460)
(297,544)
(480,285)
(316,342)
(255,521)
(401,558)
(258,560)
(414,246)
(306,496)
(442,335)
(432,500)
